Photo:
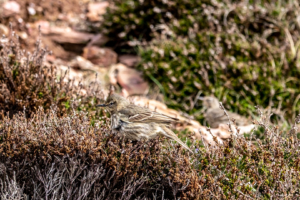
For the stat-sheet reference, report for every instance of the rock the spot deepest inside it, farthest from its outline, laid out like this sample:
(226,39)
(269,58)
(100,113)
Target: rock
(11,7)
(88,71)
(57,50)
(100,56)
(3,30)
(129,60)
(67,35)
(31,9)
(72,74)
(81,63)
(130,79)
(151,104)
(84,76)
(96,10)
(50,58)
(98,40)
(44,27)
(65,43)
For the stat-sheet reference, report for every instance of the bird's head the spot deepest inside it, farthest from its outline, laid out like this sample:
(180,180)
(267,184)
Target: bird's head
(210,102)
(114,103)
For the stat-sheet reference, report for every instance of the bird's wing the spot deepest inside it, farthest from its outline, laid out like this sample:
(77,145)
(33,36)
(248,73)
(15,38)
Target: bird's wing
(144,115)
(147,117)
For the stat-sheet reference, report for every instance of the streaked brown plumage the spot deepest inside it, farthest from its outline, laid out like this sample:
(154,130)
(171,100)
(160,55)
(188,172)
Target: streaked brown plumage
(136,123)
(215,116)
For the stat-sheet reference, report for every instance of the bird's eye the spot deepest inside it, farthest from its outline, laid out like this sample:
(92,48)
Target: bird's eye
(111,103)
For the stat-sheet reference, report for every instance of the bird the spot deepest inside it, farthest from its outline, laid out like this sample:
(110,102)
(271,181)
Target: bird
(215,116)
(136,122)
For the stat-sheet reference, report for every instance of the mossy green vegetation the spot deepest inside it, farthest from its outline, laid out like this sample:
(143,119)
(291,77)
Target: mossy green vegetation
(244,53)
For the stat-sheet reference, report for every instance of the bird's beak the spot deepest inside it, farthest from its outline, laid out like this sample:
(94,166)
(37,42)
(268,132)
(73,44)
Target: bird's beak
(101,105)
(201,98)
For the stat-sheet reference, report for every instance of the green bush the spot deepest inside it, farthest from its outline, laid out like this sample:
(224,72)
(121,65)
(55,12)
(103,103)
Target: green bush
(135,20)
(246,54)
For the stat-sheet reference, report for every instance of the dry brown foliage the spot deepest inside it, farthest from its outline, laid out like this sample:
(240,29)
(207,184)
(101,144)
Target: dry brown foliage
(70,158)
(26,83)
(76,157)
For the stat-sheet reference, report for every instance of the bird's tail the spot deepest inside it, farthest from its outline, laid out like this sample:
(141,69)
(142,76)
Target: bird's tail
(170,134)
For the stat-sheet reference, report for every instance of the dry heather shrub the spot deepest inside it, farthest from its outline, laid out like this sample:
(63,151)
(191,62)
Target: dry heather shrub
(241,169)
(26,83)
(75,157)
(10,190)
(68,157)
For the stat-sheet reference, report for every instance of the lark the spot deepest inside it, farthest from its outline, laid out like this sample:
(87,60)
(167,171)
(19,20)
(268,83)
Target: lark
(215,116)
(137,123)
